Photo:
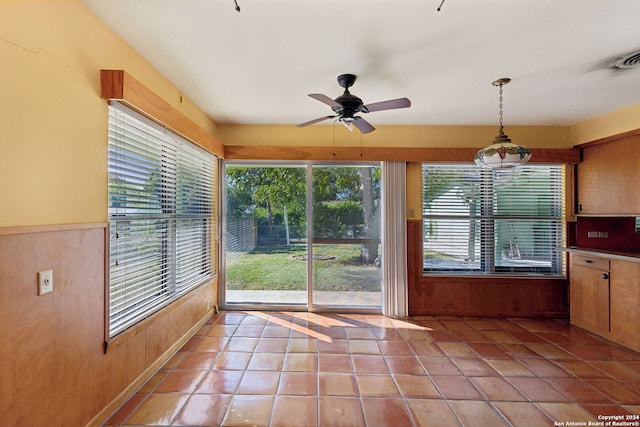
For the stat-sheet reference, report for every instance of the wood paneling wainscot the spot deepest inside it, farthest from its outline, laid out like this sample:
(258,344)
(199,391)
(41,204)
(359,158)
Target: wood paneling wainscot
(54,369)
(478,295)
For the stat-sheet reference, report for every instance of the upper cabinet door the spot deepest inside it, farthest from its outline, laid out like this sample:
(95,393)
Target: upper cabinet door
(609,178)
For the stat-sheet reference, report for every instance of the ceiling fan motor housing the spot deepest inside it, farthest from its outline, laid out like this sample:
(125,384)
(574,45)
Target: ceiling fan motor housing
(349,104)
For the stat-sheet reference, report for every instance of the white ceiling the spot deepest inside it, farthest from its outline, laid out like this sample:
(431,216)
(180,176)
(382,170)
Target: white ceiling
(256,66)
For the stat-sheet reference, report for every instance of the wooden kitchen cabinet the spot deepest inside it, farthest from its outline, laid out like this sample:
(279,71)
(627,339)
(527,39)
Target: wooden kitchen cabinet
(589,293)
(608,176)
(605,297)
(625,303)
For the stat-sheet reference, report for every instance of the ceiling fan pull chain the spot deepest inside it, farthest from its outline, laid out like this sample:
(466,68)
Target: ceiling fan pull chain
(238,7)
(334,137)
(440,7)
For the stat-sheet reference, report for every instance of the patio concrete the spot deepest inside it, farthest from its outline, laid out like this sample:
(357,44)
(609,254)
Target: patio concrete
(324,298)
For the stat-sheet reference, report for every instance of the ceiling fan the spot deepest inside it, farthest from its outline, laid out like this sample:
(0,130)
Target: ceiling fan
(346,105)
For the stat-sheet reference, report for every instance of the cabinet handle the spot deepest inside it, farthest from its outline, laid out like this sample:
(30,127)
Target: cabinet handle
(588,261)
(605,275)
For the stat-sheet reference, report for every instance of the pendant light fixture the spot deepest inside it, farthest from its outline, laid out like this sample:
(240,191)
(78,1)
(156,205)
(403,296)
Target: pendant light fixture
(502,153)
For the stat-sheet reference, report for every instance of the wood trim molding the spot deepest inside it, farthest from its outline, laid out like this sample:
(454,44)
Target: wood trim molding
(393,154)
(623,135)
(28,229)
(118,85)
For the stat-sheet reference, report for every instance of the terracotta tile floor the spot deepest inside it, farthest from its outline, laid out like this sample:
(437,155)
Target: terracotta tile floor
(303,369)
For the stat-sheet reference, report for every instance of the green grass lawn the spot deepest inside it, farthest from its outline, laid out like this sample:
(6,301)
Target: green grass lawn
(282,267)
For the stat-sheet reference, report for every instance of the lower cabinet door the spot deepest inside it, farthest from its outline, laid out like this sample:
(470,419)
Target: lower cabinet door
(589,303)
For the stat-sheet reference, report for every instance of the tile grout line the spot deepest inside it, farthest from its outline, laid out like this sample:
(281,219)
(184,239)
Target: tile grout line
(377,328)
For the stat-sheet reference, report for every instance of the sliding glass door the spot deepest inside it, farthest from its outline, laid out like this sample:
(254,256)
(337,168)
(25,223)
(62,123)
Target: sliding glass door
(265,235)
(271,209)
(346,261)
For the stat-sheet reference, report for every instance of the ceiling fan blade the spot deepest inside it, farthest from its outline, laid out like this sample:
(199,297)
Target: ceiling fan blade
(363,125)
(324,98)
(310,122)
(392,104)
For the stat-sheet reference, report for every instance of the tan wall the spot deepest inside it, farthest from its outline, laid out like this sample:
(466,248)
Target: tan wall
(53,213)
(391,136)
(613,123)
(53,123)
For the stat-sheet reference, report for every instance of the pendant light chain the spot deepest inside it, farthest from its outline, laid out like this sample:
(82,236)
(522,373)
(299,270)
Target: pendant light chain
(500,92)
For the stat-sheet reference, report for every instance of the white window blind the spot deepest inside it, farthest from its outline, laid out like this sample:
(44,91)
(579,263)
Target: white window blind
(160,217)
(505,221)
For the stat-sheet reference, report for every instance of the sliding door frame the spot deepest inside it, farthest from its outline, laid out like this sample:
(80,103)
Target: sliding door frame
(309,306)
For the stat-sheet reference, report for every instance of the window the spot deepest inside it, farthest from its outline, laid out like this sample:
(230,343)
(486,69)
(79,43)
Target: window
(160,217)
(503,221)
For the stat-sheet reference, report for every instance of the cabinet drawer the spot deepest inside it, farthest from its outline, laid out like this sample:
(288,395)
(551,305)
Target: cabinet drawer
(590,262)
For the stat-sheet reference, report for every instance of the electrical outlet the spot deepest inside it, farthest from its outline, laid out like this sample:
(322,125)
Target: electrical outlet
(45,282)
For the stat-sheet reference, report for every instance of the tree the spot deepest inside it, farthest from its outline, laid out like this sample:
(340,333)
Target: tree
(343,197)
(270,189)
(361,185)
(371,216)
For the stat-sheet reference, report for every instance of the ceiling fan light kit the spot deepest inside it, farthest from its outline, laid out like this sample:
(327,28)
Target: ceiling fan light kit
(502,153)
(347,105)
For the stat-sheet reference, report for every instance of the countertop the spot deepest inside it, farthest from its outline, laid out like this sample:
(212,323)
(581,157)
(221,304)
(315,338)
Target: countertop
(607,253)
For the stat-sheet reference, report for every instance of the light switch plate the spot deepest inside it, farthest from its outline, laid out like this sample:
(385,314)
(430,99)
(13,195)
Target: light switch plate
(45,282)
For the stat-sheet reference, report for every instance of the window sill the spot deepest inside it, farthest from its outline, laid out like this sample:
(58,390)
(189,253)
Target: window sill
(492,276)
